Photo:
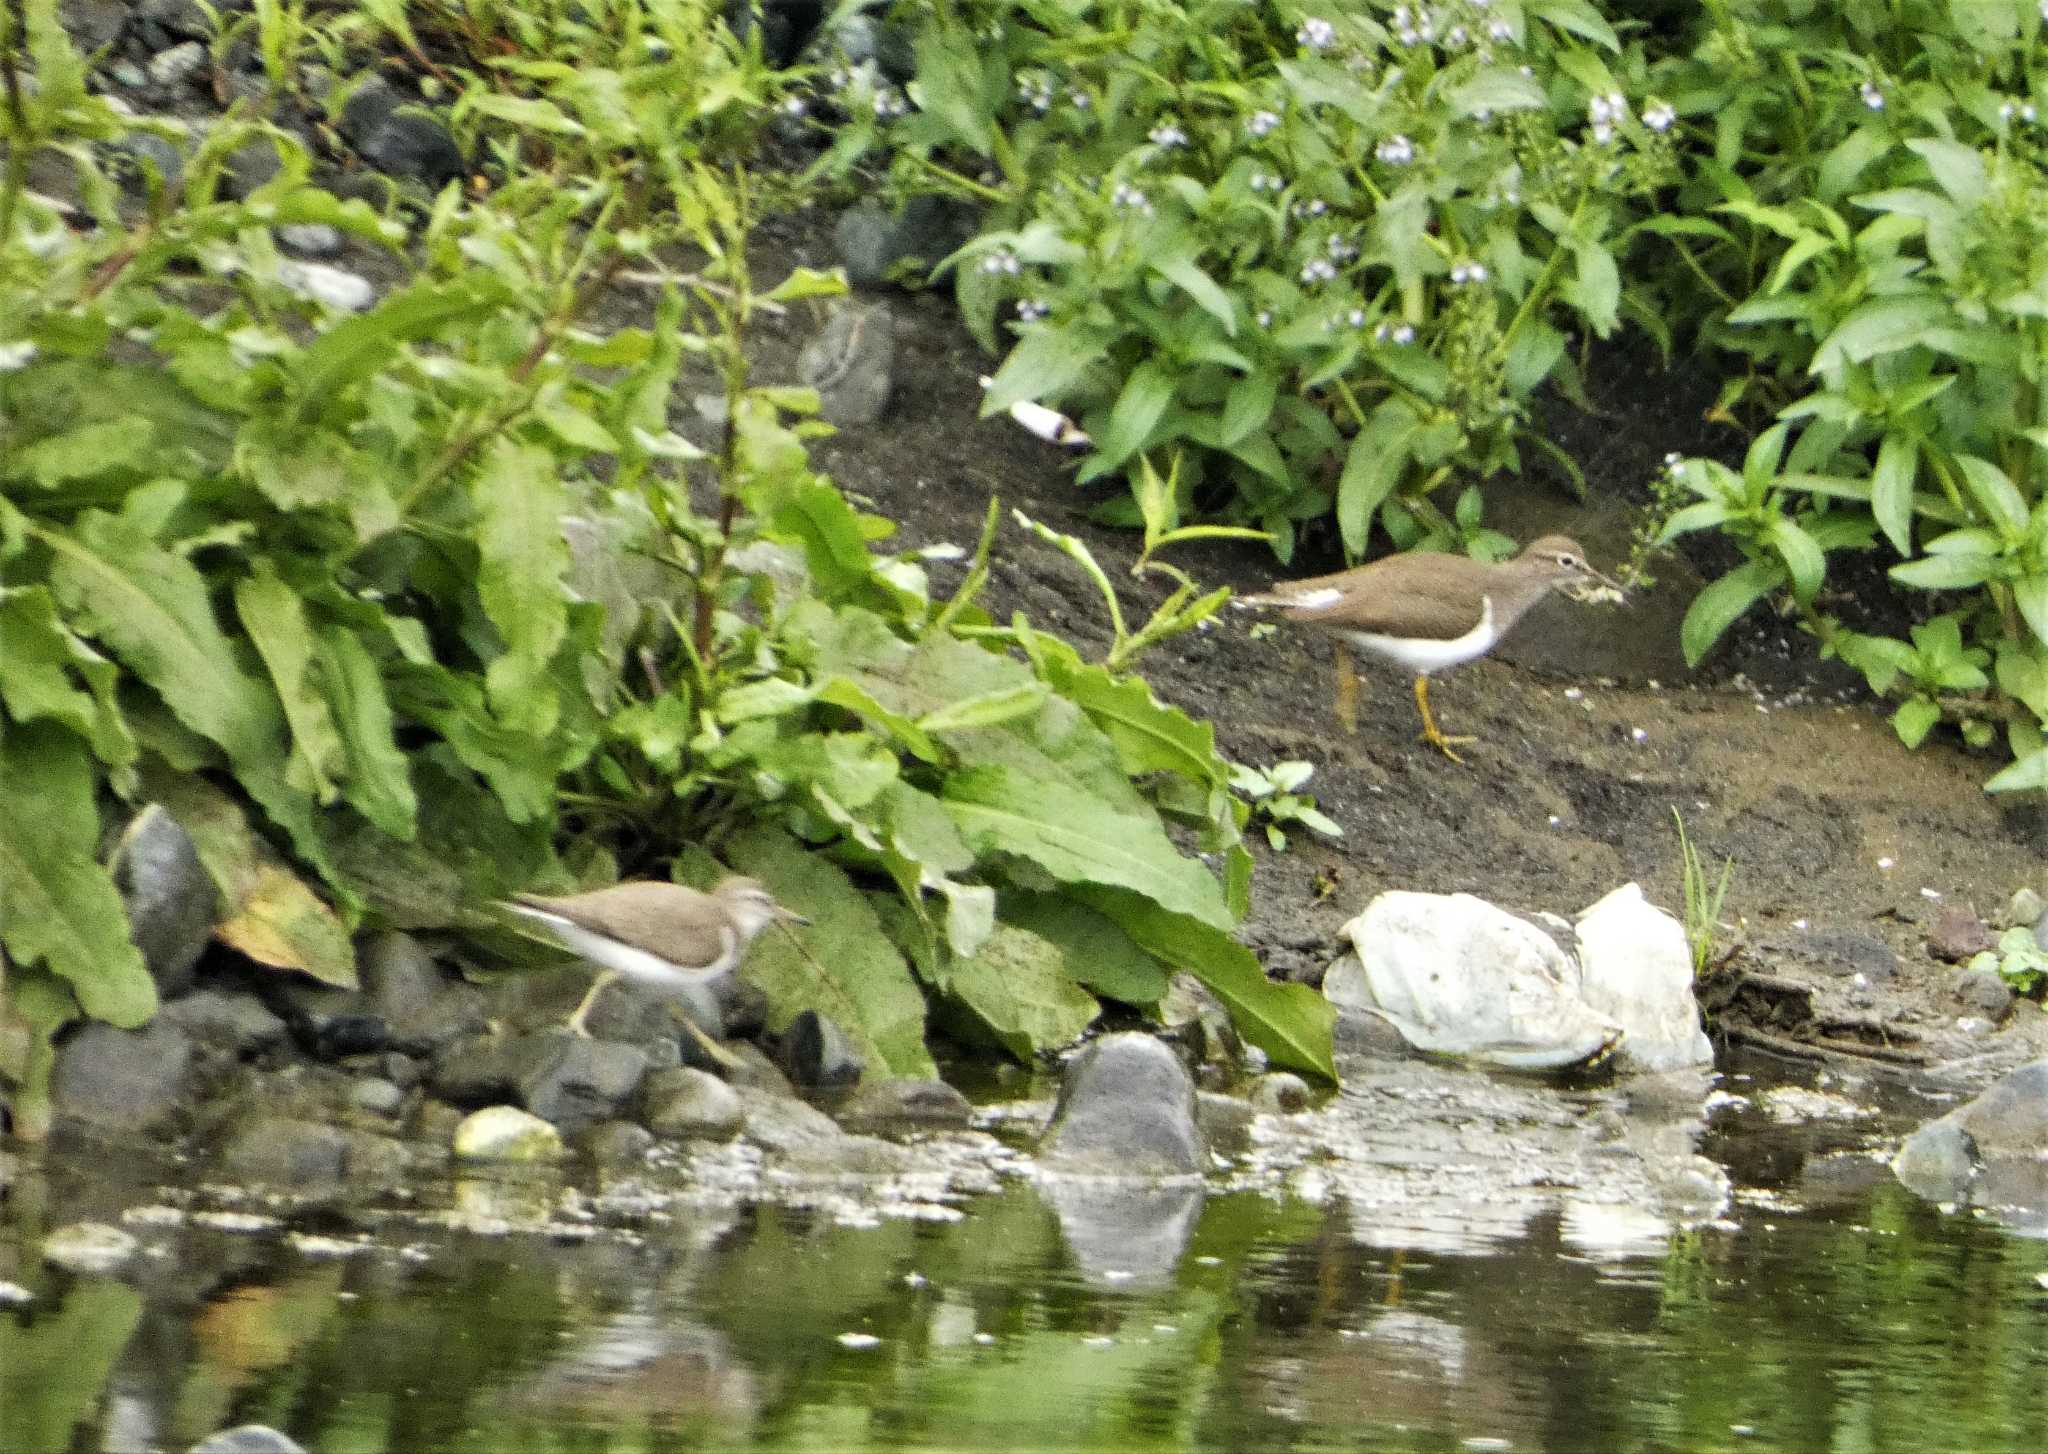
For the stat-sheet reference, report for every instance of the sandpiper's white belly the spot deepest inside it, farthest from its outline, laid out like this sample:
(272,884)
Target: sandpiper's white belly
(634,963)
(1424,657)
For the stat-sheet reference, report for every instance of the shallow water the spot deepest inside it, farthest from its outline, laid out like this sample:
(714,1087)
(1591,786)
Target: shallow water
(1829,1311)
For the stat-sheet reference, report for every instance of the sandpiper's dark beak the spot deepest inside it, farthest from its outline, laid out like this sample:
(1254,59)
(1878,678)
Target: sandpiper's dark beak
(790,916)
(1587,584)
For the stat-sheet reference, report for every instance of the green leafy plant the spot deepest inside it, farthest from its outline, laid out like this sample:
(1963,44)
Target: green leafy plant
(398,610)
(1703,896)
(2018,957)
(1326,253)
(1873,252)
(1271,791)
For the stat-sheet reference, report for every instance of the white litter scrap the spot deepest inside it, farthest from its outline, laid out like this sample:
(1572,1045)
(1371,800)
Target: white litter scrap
(1048,424)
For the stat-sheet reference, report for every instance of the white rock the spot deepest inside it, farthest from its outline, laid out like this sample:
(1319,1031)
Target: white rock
(506,1133)
(1457,976)
(335,287)
(1635,967)
(92,1248)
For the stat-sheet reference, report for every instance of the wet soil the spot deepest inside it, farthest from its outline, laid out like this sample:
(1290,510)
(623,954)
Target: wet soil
(1591,729)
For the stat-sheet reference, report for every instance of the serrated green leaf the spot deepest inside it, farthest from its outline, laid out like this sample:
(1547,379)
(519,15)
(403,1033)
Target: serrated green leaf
(1017,985)
(91,451)
(1079,839)
(949,78)
(841,964)
(150,607)
(61,909)
(523,559)
(275,618)
(38,656)
(1150,736)
(1290,1022)
(1044,366)
(379,781)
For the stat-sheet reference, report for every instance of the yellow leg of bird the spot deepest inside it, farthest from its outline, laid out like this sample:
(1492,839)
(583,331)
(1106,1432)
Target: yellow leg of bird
(1431,733)
(712,1048)
(589,1002)
(1347,691)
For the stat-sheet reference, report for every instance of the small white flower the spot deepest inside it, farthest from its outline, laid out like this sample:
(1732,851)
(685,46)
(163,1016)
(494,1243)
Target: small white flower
(1262,123)
(1602,133)
(1404,333)
(1395,151)
(1130,199)
(1080,100)
(15,356)
(1317,270)
(1313,207)
(1457,37)
(1316,33)
(1030,310)
(1264,318)
(1166,134)
(1482,114)
(1498,29)
(1659,116)
(1356,318)
(1872,97)
(1342,249)
(1002,260)
(1468,272)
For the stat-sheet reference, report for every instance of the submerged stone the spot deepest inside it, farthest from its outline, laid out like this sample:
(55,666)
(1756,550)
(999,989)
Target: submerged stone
(1126,1108)
(506,1133)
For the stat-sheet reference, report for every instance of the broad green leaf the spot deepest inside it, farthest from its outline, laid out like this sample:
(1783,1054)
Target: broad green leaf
(1994,490)
(1137,411)
(38,656)
(61,909)
(379,781)
(90,451)
(817,516)
(987,709)
(520,502)
(2030,594)
(805,283)
(1883,325)
(275,618)
(841,964)
(1247,406)
(1097,952)
(1044,366)
(1495,89)
(1597,290)
(151,609)
(1891,489)
(1803,558)
(1021,990)
(1956,572)
(1290,1022)
(1185,273)
(1913,720)
(2028,774)
(1077,838)
(1718,606)
(1579,17)
(351,351)
(950,85)
(1958,169)
(1372,468)
(1149,735)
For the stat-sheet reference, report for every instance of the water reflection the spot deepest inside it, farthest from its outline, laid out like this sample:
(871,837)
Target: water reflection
(1830,1310)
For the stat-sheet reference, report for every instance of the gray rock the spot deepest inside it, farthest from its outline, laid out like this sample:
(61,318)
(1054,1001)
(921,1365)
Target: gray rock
(377,1095)
(227,1022)
(1842,952)
(888,45)
(817,1054)
(286,1152)
(144,152)
(751,1069)
(94,23)
(250,167)
(89,1248)
(883,1104)
(2010,1119)
(690,1104)
(651,1015)
(1938,1162)
(1984,991)
(486,1068)
(184,18)
(179,64)
(1281,1093)
(248,1439)
(1126,1235)
(127,73)
(422,1005)
(372,102)
(805,1140)
(616,1145)
(871,241)
(310,239)
(1226,1121)
(2041,931)
(413,145)
(1126,1108)
(581,1081)
(852,363)
(1635,967)
(506,1133)
(171,901)
(126,1080)
(330,1023)
(2026,906)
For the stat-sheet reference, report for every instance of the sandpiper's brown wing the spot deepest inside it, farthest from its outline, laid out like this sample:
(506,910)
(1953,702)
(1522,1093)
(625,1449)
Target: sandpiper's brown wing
(645,915)
(1416,596)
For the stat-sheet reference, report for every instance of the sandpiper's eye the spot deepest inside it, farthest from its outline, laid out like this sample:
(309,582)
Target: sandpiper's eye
(1568,561)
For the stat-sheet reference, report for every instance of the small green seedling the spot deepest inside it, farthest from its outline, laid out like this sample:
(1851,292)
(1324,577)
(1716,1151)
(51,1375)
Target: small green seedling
(1702,904)
(2019,958)
(1274,799)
